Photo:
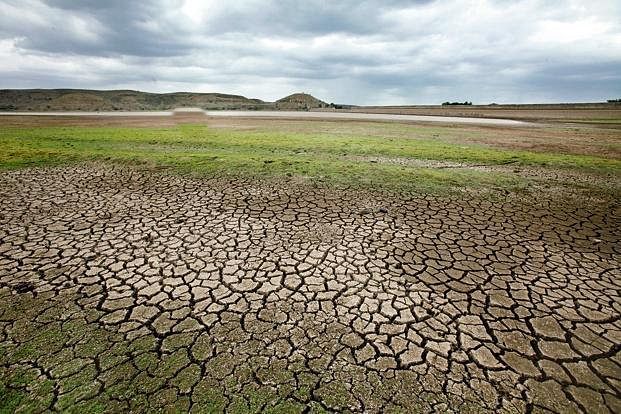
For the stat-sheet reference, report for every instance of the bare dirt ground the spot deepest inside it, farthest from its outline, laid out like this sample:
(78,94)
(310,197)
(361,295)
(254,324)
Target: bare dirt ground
(562,113)
(129,121)
(127,290)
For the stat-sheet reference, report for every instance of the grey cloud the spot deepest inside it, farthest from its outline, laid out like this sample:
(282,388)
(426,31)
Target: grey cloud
(117,28)
(351,51)
(127,24)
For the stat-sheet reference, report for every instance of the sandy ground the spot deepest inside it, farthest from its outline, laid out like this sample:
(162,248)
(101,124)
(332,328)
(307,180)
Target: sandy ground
(131,290)
(367,117)
(554,113)
(284,115)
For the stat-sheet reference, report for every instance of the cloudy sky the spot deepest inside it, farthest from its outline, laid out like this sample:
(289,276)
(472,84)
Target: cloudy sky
(361,52)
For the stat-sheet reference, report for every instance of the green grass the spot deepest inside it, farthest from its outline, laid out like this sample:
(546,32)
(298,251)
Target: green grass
(320,156)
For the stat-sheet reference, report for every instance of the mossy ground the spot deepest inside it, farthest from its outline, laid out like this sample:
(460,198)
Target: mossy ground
(322,156)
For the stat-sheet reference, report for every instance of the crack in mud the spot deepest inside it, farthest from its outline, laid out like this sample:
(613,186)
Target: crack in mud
(137,291)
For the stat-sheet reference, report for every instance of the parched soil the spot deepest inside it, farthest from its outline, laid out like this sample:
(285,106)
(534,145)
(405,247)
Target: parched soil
(552,112)
(127,290)
(99,121)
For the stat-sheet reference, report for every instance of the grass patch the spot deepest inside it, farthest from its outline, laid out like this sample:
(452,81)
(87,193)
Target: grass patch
(321,156)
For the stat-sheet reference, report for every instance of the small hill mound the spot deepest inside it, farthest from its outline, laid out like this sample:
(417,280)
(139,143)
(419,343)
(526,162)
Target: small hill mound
(298,101)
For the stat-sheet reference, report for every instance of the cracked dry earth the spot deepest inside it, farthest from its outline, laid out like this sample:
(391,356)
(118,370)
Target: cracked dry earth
(127,290)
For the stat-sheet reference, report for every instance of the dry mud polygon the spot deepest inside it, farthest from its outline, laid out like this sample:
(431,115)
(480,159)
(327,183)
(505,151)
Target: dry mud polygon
(123,289)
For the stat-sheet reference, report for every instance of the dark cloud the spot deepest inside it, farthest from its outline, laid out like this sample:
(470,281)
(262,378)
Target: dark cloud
(94,29)
(349,51)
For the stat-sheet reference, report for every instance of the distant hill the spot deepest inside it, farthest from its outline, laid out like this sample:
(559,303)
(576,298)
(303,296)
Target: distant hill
(299,101)
(120,100)
(127,100)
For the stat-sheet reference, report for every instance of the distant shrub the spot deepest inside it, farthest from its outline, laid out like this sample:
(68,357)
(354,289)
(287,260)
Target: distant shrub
(614,100)
(456,103)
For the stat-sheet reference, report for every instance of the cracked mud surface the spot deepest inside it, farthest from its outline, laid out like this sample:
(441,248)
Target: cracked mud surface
(122,289)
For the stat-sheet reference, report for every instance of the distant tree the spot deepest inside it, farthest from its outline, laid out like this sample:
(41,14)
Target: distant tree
(614,100)
(456,103)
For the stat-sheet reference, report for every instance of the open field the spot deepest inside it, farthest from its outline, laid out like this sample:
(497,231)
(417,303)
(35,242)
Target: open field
(422,157)
(203,264)
(282,114)
(593,113)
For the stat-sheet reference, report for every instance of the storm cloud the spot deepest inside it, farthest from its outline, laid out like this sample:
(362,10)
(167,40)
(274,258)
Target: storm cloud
(360,52)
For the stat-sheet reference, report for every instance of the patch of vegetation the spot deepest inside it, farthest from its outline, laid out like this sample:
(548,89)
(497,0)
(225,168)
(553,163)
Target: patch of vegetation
(324,157)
